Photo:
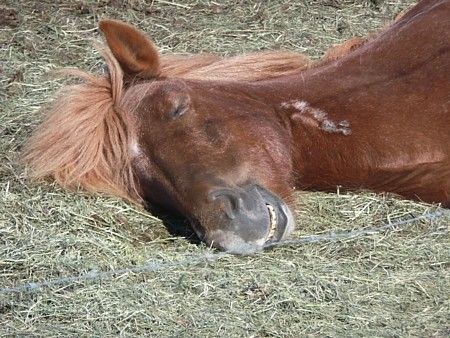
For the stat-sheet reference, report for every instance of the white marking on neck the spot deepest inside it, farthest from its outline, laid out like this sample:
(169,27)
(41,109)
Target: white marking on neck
(316,117)
(300,105)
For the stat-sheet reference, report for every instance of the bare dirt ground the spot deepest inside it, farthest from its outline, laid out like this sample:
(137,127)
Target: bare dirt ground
(387,284)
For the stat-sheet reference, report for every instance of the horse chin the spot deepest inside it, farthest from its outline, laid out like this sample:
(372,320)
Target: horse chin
(252,217)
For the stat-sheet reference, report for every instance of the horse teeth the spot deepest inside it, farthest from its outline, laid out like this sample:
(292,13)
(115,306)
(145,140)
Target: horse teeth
(273,221)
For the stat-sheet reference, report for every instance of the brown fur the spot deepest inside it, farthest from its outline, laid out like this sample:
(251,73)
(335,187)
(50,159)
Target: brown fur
(141,59)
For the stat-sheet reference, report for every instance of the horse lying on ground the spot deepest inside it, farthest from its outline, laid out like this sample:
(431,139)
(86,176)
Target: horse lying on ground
(225,142)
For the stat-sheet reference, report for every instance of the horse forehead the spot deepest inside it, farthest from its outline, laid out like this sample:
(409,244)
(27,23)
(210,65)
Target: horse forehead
(156,90)
(163,87)
(170,85)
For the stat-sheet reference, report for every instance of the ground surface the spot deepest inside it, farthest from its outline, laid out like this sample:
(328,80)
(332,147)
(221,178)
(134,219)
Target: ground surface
(391,284)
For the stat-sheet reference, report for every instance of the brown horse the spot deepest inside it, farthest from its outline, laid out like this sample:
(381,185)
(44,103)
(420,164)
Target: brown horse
(226,142)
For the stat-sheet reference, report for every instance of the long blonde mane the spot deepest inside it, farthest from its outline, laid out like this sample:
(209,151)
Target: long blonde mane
(84,138)
(81,142)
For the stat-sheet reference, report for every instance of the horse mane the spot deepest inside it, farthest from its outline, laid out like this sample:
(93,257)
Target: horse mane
(85,136)
(82,140)
(248,67)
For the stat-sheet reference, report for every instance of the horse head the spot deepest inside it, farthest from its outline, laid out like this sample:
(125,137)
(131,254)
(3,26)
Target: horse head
(197,148)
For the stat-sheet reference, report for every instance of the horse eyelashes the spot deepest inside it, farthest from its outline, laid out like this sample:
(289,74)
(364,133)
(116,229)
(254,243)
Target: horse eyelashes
(178,111)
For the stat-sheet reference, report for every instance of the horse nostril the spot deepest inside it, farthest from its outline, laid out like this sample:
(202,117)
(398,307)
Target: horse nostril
(232,201)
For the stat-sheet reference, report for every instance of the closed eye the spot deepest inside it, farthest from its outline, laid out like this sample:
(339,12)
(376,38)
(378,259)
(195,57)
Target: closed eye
(179,111)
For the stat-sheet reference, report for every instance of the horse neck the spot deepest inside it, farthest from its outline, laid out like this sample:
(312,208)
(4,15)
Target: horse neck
(316,106)
(334,111)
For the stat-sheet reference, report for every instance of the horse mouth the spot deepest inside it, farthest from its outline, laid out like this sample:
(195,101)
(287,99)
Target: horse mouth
(281,221)
(273,222)
(251,219)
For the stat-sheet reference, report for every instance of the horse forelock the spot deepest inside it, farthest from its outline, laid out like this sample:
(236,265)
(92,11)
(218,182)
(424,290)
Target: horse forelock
(83,140)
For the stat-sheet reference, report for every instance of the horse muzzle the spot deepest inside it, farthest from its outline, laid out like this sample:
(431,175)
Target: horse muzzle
(249,219)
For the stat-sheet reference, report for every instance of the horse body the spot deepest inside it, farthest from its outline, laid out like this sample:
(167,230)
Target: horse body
(392,96)
(228,154)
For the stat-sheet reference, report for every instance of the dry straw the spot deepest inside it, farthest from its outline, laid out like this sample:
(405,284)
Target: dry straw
(211,257)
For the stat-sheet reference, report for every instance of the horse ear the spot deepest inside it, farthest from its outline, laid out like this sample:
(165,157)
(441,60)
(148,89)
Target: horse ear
(135,52)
